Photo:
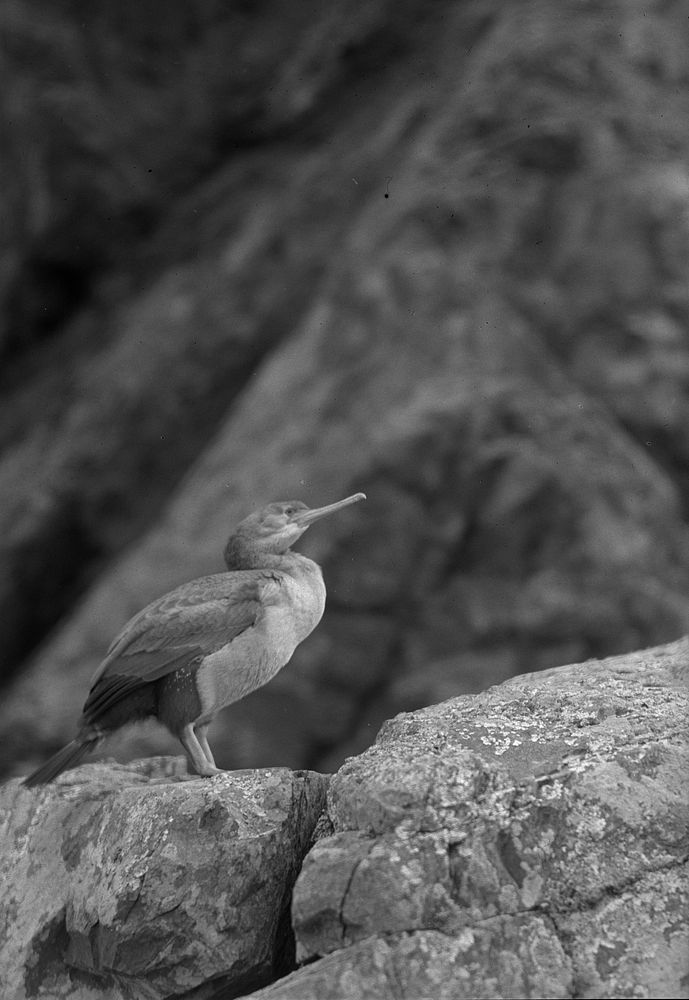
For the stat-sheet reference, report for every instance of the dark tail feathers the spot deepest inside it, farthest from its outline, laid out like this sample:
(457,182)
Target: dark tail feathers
(69,756)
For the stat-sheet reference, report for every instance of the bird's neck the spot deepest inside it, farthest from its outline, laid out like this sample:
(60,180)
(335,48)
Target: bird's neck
(242,553)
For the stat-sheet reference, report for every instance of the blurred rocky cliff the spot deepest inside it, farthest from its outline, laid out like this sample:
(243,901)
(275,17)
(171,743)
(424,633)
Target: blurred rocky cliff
(436,252)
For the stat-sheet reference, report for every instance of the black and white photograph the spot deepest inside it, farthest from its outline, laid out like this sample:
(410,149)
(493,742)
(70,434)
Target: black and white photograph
(344,499)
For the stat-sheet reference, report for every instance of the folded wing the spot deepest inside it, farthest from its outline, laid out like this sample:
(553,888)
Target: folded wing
(177,631)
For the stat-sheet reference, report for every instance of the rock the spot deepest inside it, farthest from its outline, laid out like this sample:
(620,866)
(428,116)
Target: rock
(460,350)
(138,881)
(134,135)
(453,552)
(102,420)
(530,841)
(523,957)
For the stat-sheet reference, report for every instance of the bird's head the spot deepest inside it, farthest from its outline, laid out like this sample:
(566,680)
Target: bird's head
(273,529)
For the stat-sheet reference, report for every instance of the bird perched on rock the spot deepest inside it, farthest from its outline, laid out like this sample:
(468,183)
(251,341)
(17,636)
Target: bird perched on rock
(209,642)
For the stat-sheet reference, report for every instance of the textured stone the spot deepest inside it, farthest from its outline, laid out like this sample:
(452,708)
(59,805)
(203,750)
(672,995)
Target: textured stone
(529,841)
(520,958)
(137,881)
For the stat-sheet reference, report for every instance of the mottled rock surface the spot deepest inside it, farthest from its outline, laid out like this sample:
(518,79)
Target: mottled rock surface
(531,841)
(124,882)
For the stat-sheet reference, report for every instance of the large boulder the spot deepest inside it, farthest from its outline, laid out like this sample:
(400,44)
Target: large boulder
(137,881)
(531,841)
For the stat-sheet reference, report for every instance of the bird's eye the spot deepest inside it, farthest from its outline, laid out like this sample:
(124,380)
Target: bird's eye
(290,510)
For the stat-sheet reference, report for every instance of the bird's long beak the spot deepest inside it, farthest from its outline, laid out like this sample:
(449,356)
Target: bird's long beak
(305,517)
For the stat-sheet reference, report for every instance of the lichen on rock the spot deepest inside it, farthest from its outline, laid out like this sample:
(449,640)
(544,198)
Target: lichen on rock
(135,881)
(529,841)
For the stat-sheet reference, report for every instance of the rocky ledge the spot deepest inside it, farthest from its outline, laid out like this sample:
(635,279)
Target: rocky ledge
(139,882)
(530,841)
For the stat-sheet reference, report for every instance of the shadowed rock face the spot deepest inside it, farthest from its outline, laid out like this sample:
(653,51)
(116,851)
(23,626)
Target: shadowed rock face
(494,352)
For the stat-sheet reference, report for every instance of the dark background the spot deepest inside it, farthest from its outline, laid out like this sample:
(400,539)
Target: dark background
(435,251)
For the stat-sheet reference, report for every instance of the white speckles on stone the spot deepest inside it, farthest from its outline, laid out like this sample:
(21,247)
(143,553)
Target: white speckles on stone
(505,745)
(465,939)
(531,891)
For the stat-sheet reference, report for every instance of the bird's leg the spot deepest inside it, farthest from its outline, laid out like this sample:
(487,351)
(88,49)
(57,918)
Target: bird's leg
(202,736)
(197,757)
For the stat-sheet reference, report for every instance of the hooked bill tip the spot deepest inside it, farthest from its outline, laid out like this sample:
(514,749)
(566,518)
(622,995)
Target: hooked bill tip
(355,497)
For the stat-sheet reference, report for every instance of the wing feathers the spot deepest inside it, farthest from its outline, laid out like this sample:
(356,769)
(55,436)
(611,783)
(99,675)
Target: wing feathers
(177,630)
(107,693)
